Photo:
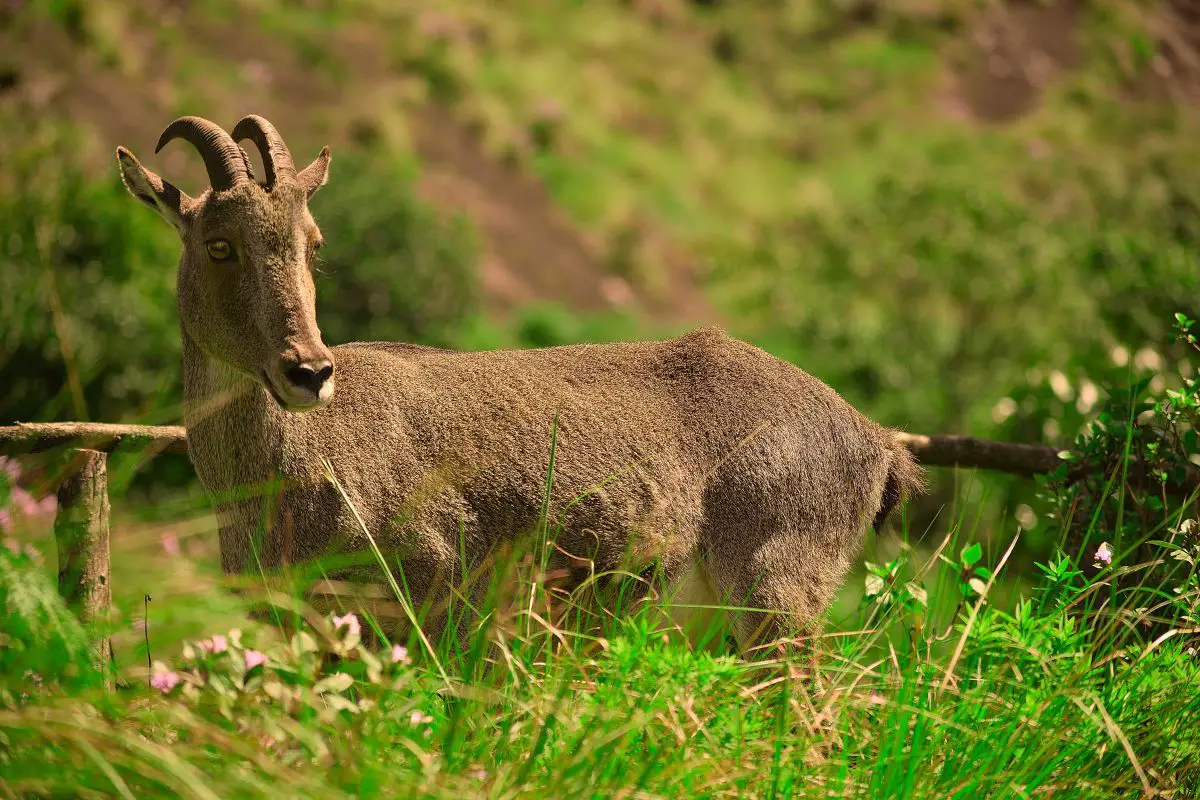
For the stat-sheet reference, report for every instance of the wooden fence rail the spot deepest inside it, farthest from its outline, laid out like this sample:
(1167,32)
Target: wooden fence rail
(38,437)
(82,526)
(932,451)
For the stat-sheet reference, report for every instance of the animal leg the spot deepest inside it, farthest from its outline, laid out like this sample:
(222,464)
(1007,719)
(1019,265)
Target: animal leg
(778,590)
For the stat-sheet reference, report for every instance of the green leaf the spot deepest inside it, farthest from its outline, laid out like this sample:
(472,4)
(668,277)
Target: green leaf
(373,664)
(917,592)
(874,585)
(971,554)
(303,642)
(340,703)
(337,682)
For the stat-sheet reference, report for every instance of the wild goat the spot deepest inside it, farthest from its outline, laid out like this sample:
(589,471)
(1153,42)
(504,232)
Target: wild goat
(727,461)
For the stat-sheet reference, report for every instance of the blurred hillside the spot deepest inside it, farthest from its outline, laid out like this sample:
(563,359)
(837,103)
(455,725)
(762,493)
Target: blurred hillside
(965,216)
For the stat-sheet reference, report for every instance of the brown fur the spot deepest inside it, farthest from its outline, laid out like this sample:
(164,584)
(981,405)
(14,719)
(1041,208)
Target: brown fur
(729,459)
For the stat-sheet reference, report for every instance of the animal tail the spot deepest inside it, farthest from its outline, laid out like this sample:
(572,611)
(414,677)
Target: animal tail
(905,479)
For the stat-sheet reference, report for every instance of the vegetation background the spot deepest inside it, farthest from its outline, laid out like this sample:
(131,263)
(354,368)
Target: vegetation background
(968,216)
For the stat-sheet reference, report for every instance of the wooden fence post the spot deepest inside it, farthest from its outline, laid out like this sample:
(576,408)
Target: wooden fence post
(81,532)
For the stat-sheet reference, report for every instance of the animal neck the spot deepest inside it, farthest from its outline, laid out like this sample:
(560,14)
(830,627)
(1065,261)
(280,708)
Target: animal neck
(235,430)
(236,440)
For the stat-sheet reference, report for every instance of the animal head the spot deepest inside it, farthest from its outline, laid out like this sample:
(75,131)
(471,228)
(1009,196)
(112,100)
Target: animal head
(246,294)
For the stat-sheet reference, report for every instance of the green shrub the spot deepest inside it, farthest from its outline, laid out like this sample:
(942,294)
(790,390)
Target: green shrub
(393,269)
(42,645)
(88,323)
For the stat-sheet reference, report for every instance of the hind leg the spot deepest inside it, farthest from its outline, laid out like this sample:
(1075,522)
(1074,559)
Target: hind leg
(779,586)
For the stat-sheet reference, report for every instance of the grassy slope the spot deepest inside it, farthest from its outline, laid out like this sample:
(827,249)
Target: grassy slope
(823,170)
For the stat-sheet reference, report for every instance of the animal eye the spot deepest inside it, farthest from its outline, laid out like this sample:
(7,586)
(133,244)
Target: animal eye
(219,249)
(318,244)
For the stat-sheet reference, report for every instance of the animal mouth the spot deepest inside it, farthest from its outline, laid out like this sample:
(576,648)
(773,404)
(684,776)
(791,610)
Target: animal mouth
(285,404)
(269,384)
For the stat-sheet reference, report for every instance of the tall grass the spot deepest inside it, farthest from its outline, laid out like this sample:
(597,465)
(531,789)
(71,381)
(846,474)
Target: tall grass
(934,684)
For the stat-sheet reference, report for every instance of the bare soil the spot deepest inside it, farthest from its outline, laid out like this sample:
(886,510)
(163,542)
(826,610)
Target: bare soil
(1017,49)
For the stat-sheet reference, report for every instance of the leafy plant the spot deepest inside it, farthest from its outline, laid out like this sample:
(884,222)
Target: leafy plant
(394,269)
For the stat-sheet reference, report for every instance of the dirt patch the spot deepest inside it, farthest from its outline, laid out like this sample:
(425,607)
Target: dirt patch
(1173,73)
(531,250)
(50,76)
(1018,48)
(521,263)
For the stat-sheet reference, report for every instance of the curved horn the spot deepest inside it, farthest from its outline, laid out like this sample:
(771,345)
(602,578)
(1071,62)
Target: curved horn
(277,159)
(222,157)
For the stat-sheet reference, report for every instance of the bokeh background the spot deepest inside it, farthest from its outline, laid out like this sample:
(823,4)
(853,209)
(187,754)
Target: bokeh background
(968,217)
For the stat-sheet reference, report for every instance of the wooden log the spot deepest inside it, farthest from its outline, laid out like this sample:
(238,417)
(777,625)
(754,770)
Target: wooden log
(37,437)
(967,451)
(1013,458)
(932,451)
(81,531)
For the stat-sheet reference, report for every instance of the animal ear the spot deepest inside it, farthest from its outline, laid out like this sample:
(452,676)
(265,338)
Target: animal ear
(313,176)
(169,202)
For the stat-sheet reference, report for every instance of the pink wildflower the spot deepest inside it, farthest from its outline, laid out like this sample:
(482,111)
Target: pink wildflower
(350,621)
(28,506)
(23,502)
(548,110)
(164,680)
(419,718)
(11,468)
(1104,553)
(399,654)
(170,543)
(254,659)
(216,644)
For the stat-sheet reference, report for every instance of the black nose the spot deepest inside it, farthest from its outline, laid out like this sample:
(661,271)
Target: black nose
(310,375)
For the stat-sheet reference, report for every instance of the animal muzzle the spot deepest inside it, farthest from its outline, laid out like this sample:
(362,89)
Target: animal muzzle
(303,379)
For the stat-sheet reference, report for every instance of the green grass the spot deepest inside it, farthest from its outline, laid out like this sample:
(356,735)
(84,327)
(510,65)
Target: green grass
(937,675)
(1037,703)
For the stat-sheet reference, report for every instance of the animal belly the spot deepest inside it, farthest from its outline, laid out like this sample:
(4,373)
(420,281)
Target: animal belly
(692,605)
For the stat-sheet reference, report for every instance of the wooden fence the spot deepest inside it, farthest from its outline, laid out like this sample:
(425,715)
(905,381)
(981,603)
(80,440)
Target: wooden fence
(81,528)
